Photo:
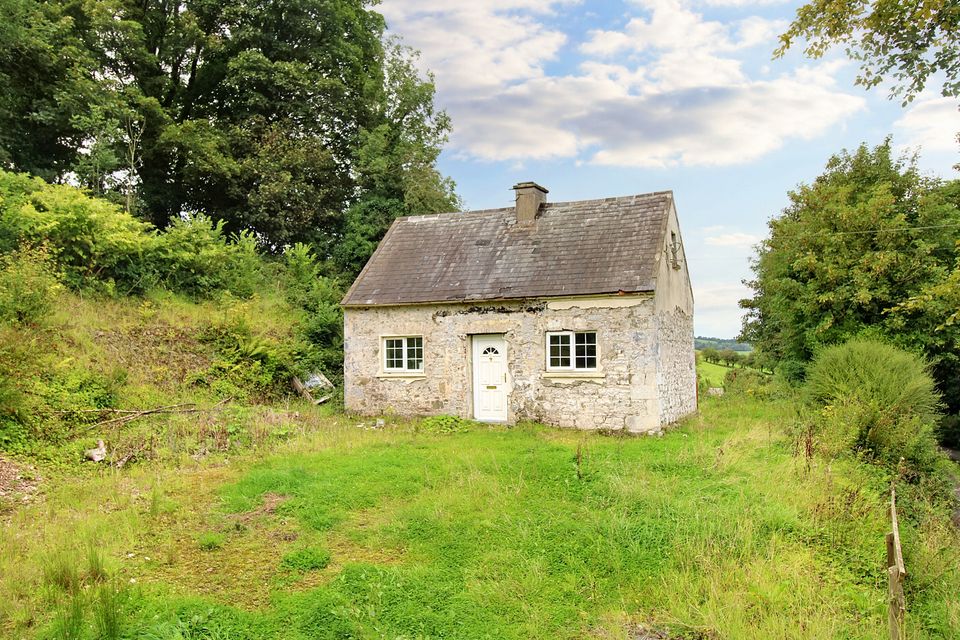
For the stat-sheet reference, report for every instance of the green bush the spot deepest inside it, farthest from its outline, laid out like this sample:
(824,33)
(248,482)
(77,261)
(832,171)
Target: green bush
(877,399)
(747,381)
(92,241)
(97,245)
(319,298)
(195,257)
(79,389)
(301,271)
(28,286)
(248,366)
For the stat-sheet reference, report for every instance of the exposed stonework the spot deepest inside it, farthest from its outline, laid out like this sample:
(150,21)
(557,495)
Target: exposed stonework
(676,366)
(624,393)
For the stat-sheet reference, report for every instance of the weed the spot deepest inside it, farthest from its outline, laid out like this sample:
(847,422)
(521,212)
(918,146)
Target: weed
(108,611)
(443,424)
(491,534)
(69,621)
(96,566)
(29,285)
(156,500)
(60,570)
(211,541)
(306,559)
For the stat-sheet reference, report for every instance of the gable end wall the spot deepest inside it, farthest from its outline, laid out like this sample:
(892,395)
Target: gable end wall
(673,318)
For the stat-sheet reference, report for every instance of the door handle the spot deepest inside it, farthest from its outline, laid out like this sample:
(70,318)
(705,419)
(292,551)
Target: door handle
(504,377)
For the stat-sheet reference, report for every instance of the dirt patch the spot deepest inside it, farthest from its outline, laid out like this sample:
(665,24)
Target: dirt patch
(621,627)
(165,354)
(270,503)
(18,483)
(954,455)
(646,632)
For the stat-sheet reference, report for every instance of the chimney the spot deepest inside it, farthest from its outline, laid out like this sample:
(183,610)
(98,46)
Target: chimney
(530,196)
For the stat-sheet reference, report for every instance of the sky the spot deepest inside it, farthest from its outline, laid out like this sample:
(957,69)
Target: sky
(601,99)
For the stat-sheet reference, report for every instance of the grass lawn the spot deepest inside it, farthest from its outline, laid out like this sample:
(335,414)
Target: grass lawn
(715,530)
(712,373)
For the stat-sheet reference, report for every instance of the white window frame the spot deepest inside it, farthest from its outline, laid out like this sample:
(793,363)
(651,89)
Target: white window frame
(573,350)
(405,354)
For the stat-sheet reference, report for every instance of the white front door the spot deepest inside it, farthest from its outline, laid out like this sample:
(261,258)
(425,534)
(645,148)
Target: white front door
(490,379)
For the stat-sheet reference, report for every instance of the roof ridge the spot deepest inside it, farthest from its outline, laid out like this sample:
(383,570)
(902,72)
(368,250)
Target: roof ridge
(633,196)
(451,214)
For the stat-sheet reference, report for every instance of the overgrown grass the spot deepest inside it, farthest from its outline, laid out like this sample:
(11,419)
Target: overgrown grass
(715,528)
(130,353)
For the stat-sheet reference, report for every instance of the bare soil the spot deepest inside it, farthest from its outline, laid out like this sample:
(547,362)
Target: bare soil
(18,483)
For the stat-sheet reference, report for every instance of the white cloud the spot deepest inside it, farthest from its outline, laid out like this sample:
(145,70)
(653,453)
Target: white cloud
(673,26)
(736,239)
(479,46)
(931,123)
(716,307)
(676,93)
(720,296)
(743,3)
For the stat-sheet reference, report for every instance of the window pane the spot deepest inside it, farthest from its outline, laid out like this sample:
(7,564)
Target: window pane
(585,350)
(559,350)
(394,351)
(415,353)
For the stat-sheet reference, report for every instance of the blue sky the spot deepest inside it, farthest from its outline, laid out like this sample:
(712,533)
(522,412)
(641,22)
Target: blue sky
(598,99)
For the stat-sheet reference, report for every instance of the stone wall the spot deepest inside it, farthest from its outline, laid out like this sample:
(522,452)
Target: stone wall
(673,317)
(622,394)
(676,365)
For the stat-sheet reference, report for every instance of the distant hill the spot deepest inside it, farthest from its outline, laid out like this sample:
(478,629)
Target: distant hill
(701,342)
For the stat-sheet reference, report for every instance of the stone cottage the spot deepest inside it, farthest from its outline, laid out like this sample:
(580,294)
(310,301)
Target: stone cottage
(576,314)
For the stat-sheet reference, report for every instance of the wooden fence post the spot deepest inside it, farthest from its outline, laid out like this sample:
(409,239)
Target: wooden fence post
(895,574)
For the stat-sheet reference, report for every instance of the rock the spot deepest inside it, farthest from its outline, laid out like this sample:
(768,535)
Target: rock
(98,454)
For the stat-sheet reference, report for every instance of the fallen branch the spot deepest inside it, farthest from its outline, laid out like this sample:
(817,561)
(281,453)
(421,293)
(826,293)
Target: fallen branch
(104,410)
(133,414)
(119,464)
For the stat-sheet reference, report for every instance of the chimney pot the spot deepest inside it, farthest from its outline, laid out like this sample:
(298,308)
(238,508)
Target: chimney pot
(530,196)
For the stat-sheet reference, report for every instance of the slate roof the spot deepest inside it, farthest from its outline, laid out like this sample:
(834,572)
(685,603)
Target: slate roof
(573,248)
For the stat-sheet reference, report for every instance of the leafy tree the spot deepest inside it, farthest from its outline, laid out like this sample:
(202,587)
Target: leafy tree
(46,82)
(273,118)
(867,248)
(396,163)
(710,354)
(904,40)
(730,357)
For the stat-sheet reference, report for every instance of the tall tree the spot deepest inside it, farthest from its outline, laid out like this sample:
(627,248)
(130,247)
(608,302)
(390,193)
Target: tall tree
(906,41)
(47,81)
(260,114)
(396,162)
(869,235)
